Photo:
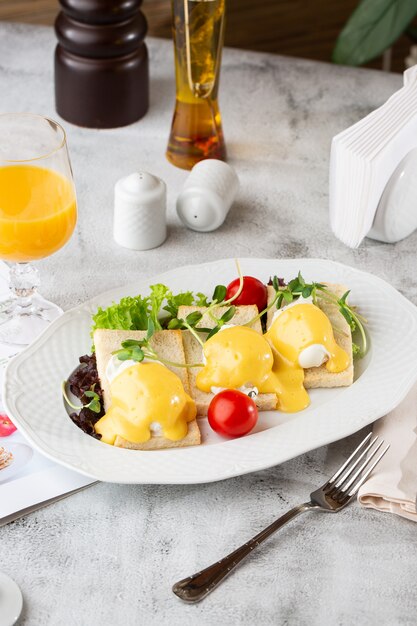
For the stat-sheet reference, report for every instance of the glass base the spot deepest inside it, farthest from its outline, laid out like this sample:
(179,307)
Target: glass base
(21,325)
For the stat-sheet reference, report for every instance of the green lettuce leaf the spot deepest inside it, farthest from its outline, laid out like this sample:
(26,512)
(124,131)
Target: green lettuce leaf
(181,299)
(201,299)
(158,294)
(129,314)
(136,313)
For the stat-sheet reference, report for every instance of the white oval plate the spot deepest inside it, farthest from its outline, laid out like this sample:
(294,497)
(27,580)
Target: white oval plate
(32,386)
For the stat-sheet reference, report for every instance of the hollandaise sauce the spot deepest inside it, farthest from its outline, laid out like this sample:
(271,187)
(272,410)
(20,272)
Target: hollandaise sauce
(143,394)
(287,381)
(239,356)
(302,326)
(235,357)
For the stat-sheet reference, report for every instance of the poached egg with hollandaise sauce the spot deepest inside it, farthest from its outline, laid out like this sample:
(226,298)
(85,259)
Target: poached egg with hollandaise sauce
(241,357)
(300,336)
(142,395)
(303,335)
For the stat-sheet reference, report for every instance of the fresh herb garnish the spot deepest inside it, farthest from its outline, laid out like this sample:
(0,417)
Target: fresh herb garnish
(94,404)
(139,349)
(218,300)
(226,317)
(298,287)
(219,294)
(133,313)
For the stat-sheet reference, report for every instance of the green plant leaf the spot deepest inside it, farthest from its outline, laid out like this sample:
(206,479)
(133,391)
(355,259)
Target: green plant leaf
(219,293)
(342,300)
(158,294)
(137,354)
(213,332)
(130,343)
(201,299)
(151,329)
(193,318)
(372,28)
(301,280)
(123,355)
(294,285)
(94,404)
(174,324)
(227,315)
(185,298)
(346,315)
(128,314)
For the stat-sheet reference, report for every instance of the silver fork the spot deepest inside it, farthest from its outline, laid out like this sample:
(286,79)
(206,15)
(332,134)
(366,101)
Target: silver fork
(333,496)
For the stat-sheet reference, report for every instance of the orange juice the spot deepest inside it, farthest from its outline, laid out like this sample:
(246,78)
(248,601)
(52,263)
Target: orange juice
(38,212)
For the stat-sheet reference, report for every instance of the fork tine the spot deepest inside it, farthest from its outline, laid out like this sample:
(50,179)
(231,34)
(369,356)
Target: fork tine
(355,488)
(347,485)
(341,469)
(348,473)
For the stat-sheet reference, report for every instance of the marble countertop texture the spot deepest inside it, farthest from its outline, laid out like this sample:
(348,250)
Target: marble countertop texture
(109,555)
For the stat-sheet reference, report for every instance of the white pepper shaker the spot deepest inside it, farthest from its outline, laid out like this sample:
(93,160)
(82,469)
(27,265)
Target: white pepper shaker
(207,195)
(140,211)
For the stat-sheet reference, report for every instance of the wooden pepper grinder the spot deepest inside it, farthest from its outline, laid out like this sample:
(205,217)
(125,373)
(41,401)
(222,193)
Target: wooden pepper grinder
(101,63)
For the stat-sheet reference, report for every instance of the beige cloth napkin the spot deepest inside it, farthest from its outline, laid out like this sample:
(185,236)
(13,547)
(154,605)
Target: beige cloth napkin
(392,487)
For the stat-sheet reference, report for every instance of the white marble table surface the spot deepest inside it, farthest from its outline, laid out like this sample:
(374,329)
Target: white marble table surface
(109,555)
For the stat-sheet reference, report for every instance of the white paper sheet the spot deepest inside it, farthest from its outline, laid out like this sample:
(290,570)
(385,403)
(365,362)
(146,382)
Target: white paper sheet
(31,480)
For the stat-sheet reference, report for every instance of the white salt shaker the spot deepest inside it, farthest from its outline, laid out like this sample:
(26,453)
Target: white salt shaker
(140,211)
(207,195)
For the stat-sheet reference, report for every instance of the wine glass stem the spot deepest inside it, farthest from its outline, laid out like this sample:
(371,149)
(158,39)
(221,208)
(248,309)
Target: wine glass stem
(24,283)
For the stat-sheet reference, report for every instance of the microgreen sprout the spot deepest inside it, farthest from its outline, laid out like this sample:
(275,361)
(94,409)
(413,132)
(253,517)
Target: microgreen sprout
(94,404)
(139,349)
(297,287)
(218,300)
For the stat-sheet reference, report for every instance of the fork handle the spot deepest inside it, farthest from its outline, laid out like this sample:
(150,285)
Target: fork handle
(199,585)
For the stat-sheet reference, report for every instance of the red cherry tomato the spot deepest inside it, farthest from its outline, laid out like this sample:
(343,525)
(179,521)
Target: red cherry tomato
(6,426)
(253,292)
(232,413)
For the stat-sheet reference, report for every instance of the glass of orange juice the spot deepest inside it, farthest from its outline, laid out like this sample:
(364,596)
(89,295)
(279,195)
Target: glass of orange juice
(38,213)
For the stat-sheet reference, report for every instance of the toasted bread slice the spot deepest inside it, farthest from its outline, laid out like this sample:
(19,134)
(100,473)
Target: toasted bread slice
(168,344)
(157,442)
(194,354)
(318,377)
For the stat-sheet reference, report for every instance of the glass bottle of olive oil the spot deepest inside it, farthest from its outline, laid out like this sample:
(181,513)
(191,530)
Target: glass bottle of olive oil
(196,132)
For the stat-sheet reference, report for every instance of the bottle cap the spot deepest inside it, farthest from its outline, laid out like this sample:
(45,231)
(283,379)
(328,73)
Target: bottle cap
(140,211)
(207,195)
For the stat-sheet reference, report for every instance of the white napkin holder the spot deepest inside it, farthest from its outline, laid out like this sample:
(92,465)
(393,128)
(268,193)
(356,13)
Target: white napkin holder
(396,214)
(373,172)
